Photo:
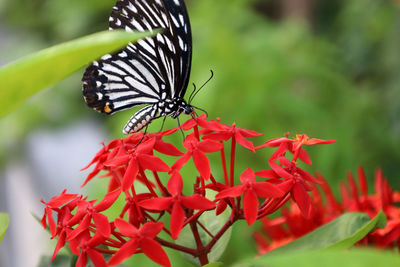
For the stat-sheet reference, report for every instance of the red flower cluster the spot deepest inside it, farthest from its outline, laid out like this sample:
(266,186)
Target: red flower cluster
(153,190)
(292,225)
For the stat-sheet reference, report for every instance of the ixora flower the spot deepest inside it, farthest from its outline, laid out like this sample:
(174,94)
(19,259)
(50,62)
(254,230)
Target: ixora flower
(149,176)
(292,225)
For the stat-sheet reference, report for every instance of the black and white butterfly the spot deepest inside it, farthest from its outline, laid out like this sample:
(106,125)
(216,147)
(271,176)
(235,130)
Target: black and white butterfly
(153,72)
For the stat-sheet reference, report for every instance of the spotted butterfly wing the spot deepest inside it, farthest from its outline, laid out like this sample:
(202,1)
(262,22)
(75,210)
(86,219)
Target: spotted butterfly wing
(153,72)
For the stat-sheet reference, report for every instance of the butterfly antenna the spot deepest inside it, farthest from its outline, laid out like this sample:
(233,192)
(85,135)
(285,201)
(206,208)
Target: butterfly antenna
(201,110)
(198,90)
(191,95)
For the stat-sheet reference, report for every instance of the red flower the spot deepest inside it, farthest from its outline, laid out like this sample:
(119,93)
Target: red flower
(251,190)
(86,212)
(177,202)
(294,146)
(85,246)
(138,159)
(224,132)
(291,225)
(298,179)
(55,203)
(135,212)
(197,150)
(63,230)
(134,165)
(140,238)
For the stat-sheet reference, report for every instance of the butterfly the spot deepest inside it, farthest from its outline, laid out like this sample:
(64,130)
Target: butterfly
(153,72)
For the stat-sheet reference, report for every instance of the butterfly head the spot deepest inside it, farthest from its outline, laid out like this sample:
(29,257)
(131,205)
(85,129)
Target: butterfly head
(183,107)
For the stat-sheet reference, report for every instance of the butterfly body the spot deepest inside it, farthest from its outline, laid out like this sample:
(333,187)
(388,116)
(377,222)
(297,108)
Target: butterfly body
(153,72)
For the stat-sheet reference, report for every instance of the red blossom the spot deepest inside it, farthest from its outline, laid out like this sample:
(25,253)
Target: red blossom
(251,190)
(140,238)
(85,247)
(177,203)
(87,211)
(224,132)
(136,168)
(197,149)
(354,198)
(55,203)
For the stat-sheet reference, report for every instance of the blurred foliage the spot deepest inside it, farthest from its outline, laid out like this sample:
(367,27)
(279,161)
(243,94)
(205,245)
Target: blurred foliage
(334,76)
(49,66)
(332,258)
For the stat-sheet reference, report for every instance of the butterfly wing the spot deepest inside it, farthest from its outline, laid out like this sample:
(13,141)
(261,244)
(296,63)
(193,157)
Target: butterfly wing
(148,71)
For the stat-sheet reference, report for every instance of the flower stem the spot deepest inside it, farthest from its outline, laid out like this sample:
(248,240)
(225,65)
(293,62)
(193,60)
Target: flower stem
(163,189)
(223,160)
(224,228)
(232,169)
(201,253)
(165,243)
(146,181)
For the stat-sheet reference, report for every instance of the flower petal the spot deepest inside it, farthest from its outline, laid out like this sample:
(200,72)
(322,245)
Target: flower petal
(248,133)
(280,171)
(302,199)
(151,229)
(202,164)
(117,161)
(247,176)
(177,219)
(102,224)
(61,200)
(315,141)
(146,147)
(82,260)
(303,156)
(244,142)
(181,161)
(267,190)
(83,225)
(167,148)
(250,206)
(307,176)
(60,244)
(124,252)
(267,174)
(125,228)
(221,206)
(130,175)
(175,184)
(154,251)
(108,200)
(230,192)
(97,258)
(153,163)
(161,203)
(221,136)
(197,202)
(209,146)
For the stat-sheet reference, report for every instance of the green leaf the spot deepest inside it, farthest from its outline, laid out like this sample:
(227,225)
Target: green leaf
(327,258)
(340,233)
(27,76)
(214,264)
(213,223)
(4,221)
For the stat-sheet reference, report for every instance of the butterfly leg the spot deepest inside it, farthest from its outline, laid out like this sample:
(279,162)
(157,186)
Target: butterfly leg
(162,125)
(179,125)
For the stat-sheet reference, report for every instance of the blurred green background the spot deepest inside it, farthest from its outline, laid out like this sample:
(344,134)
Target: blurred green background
(329,69)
